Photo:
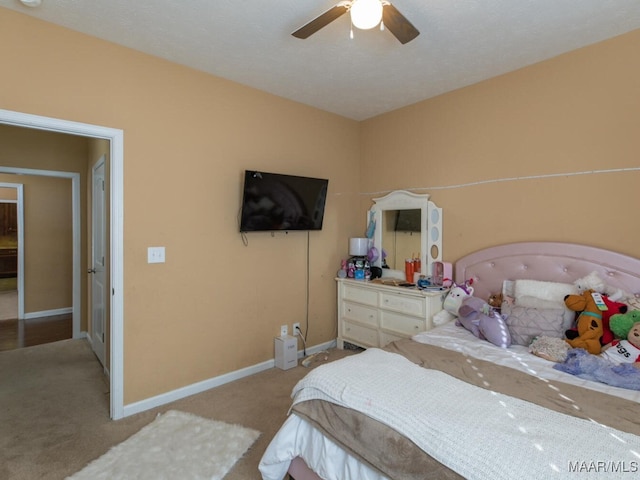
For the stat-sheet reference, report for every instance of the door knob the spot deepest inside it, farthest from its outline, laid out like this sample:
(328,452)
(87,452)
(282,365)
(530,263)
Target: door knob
(91,270)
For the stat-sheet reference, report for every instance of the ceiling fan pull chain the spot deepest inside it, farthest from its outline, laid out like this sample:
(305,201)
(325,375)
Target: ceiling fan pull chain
(351,32)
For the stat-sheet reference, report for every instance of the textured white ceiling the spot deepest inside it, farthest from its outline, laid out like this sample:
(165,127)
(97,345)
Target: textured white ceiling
(461,42)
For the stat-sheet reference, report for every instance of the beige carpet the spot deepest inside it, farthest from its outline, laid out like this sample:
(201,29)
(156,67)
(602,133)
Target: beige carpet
(54,415)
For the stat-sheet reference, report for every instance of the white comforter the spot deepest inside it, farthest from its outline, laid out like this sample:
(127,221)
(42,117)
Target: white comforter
(532,442)
(427,405)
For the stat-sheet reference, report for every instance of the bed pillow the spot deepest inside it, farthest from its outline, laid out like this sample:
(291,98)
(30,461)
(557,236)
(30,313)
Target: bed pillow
(551,291)
(543,295)
(537,303)
(525,323)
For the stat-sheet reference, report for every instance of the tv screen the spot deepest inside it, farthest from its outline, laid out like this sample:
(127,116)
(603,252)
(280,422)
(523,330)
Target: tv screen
(408,220)
(272,201)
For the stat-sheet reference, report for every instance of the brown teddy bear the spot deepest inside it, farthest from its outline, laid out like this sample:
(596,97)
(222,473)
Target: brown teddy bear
(589,322)
(495,300)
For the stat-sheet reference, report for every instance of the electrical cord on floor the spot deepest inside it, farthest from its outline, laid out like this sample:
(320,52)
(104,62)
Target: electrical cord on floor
(307,361)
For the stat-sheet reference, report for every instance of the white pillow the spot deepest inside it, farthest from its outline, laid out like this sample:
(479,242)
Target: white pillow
(552,291)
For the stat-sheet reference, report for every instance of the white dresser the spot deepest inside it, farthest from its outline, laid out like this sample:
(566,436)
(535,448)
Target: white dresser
(372,314)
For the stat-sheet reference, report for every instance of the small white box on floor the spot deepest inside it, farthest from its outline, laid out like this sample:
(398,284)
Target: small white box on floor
(286,352)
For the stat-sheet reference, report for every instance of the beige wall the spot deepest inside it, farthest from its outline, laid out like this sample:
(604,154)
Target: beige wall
(9,193)
(47,212)
(511,159)
(215,305)
(48,244)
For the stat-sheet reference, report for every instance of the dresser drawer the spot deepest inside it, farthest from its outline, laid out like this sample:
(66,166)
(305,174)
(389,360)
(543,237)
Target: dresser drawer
(360,313)
(359,334)
(360,295)
(403,304)
(401,324)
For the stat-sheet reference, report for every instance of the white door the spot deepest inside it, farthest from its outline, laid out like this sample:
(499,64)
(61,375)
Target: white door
(97,269)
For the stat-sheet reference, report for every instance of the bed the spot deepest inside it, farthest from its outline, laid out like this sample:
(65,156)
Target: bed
(446,404)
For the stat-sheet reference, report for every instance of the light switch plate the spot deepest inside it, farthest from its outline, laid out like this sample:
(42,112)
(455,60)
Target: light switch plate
(155,255)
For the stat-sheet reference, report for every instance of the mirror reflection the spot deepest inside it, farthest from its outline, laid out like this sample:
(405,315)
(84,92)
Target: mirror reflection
(401,232)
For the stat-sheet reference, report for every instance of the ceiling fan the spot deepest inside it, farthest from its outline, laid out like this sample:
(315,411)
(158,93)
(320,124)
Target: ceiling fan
(365,14)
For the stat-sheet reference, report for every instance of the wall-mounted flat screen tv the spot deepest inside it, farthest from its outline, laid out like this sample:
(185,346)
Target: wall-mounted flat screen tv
(273,201)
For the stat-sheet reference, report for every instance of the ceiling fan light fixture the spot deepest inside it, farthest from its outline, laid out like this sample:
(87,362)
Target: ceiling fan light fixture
(31,3)
(366,14)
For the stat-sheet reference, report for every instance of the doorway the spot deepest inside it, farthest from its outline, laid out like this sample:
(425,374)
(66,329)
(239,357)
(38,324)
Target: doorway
(8,253)
(115,137)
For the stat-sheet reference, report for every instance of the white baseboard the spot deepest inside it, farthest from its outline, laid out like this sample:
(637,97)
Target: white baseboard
(48,313)
(205,385)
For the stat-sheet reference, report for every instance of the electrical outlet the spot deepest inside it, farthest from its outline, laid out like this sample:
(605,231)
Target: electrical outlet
(296,329)
(284,331)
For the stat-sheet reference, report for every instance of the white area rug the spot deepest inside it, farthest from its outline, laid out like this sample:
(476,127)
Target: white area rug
(175,445)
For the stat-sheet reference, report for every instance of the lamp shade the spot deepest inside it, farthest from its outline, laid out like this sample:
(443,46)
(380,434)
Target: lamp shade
(366,14)
(358,247)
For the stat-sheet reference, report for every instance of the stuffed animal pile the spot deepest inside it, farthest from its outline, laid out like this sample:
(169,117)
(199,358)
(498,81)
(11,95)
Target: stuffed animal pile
(593,321)
(596,306)
(618,342)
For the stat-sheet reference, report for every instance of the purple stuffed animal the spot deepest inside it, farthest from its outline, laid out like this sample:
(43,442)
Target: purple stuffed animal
(483,321)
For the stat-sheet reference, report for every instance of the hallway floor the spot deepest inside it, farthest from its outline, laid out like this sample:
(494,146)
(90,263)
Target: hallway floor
(16,333)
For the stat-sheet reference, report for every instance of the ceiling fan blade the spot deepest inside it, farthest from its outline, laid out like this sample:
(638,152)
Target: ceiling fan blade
(397,24)
(322,21)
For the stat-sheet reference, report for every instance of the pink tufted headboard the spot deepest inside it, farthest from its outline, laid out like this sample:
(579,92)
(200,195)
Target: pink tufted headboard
(549,261)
